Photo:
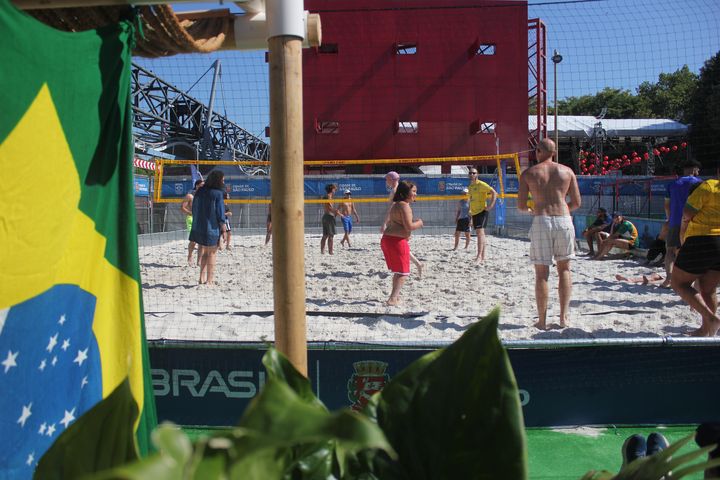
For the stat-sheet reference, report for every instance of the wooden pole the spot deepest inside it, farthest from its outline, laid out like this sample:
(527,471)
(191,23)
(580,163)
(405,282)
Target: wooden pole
(288,212)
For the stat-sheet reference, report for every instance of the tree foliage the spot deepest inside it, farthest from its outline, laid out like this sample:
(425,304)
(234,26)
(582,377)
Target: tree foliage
(704,114)
(669,97)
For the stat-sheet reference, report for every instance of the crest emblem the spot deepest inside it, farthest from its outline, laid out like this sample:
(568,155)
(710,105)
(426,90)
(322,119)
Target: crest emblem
(370,377)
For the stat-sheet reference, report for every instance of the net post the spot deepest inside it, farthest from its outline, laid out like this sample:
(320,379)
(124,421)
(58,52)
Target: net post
(288,213)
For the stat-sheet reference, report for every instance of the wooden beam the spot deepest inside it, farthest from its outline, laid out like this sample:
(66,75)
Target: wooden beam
(288,211)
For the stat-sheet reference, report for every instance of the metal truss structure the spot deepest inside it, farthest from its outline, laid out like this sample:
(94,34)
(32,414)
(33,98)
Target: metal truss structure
(537,88)
(164,115)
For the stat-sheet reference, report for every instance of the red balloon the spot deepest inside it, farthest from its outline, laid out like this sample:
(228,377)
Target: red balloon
(674,148)
(636,160)
(592,166)
(683,144)
(606,157)
(634,154)
(656,152)
(646,155)
(624,157)
(605,163)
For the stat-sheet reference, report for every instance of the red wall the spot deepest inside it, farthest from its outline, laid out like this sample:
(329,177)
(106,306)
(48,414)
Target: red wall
(366,87)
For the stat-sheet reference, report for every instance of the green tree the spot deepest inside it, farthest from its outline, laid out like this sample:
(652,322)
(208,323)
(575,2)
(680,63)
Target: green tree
(670,96)
(704,114)
(620,104)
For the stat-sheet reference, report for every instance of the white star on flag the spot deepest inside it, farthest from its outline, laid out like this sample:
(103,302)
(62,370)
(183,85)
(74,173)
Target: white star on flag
(84,382)
(42,365)
(50,430)
(42,428)
(10,362)
(69,417)
(62,320)
(54,360)
(81,357)
(30,459)
(52,343)
(26,412)
(66,344)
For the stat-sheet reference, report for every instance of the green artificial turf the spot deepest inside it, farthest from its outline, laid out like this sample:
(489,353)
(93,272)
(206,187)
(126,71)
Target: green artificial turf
(561,454)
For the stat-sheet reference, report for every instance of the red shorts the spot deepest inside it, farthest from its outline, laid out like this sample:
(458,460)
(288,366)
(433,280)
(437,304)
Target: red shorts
(397,254)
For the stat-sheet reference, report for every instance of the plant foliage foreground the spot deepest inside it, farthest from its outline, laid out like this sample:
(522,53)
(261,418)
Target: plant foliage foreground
(453,414)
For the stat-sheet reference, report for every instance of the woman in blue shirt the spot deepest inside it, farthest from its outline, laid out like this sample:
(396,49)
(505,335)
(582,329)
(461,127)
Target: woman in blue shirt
(208,223)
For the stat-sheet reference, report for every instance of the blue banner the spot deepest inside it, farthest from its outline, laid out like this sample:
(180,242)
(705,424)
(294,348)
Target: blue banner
(142,186)
(374,186)
(211,386)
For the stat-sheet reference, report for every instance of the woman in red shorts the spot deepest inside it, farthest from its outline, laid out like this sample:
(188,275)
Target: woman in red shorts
(394,241)
(699,256)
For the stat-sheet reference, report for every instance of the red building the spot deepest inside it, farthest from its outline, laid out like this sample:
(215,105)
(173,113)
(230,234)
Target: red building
(416,78)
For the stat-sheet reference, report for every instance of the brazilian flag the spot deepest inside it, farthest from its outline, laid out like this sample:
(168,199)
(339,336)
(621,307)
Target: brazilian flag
(71,325)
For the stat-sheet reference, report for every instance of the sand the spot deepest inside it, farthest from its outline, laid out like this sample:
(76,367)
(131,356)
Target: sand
(346,294)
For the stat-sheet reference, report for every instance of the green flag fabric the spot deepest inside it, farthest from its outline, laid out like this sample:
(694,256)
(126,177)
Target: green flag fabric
(71,325)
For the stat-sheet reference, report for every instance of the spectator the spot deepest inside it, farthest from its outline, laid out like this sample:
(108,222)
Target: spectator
(624,235)
(602,223)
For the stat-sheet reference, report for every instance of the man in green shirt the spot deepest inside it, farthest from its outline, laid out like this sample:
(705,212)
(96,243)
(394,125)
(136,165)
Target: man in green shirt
(623,235)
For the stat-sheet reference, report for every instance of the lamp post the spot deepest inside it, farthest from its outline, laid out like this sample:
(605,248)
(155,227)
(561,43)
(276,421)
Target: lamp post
(556,58)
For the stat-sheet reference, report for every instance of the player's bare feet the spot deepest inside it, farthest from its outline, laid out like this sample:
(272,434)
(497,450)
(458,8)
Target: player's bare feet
(391,302)
(563,323)
(621,278)
(540,325)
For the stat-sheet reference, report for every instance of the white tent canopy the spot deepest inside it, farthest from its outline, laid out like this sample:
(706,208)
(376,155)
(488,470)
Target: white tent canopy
(577,126)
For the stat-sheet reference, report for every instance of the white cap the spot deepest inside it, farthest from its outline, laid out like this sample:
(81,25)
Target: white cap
(347,191)
(465,190)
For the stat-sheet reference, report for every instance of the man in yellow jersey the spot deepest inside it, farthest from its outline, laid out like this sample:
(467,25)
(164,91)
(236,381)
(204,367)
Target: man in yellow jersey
(698,260)
(479,208)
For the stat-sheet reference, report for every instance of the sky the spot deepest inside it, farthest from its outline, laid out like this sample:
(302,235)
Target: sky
(604,43)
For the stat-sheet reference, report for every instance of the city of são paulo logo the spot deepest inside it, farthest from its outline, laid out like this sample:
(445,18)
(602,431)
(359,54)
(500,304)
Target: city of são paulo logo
(370,377)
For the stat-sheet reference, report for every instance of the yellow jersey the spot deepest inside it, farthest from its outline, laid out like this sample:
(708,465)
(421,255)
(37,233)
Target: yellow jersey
(705,200)
(479,193)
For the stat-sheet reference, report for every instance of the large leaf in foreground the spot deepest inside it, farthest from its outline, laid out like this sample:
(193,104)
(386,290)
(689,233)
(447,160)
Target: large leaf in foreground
(100,439)
(455,413)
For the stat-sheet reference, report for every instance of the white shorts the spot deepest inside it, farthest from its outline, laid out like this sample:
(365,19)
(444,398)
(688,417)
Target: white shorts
(551,237)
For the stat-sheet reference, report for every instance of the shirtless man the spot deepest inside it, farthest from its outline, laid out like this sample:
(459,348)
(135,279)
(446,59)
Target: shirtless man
(552,233)
(347,210)
(186,209)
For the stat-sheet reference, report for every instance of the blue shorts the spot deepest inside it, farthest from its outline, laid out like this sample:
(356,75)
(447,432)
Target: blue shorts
(347,223)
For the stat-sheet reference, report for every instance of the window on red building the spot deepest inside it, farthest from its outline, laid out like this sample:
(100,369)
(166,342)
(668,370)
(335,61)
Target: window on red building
(478,127)
(328,48)
(486,49)
(328,127)
(406,48)
(406,127)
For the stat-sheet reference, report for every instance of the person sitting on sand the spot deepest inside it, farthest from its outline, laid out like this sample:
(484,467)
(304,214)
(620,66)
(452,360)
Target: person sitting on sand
(462,220)
(602,223)
(394,242)
(624,235)
(347,210)
(699,256)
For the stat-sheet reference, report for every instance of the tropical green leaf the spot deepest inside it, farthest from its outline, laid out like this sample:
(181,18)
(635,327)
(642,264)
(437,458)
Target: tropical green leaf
(280,368)
(100,439)
(456,413)
(662,464)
